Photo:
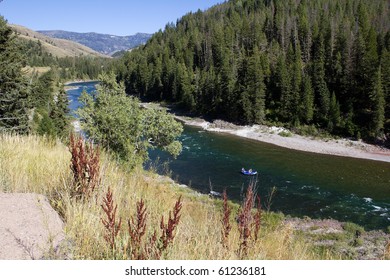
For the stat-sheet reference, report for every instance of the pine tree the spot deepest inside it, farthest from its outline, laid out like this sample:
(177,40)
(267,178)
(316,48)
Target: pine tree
(186,96)
(59,114)
(385,69)
(296,84)
(228,78)
(245,104)
(42,97)
(256,87)
(320,87)
(365,67)
(46,125)
(304,30)
(307,107)
(371,60)
(283,83)
(13,87)
(334,113)
(378,101)
(362,18)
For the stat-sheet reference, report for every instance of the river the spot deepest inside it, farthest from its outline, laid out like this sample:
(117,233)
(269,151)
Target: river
(307,184)
(75,91)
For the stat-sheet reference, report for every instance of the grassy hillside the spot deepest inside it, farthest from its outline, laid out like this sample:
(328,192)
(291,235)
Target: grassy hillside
(66,59)
(102,43)
(33,164)
(56,47)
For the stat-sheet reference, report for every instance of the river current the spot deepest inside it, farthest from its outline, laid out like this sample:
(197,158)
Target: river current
(306,184)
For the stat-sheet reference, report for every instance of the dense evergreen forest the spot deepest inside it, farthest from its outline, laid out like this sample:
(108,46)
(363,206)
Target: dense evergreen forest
(13,87)
(315,65)
(34,102)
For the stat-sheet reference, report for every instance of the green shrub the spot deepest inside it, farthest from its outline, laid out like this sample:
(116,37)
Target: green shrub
(358,242)
(353,228)
(285,134)
(117,122)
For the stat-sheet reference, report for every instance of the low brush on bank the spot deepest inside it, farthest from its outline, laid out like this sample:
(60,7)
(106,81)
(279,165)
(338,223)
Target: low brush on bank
(34,164)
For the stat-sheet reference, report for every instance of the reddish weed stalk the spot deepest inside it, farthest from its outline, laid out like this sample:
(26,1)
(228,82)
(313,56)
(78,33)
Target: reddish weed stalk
(155,246)
(247,222)
(244,222)
(257,219)
(137,229)
(226,226)
(85,166)
(168,230)
(110,223)
(152,250)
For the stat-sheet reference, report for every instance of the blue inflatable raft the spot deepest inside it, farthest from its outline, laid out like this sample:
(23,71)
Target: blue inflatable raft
(249,172)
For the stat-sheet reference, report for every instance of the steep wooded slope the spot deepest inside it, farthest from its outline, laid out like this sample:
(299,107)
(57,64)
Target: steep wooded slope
(316,64)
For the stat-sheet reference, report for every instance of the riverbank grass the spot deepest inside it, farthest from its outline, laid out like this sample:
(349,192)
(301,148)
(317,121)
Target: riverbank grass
(34,164)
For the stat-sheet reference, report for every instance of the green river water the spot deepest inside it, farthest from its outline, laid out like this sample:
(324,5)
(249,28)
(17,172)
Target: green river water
(307,184)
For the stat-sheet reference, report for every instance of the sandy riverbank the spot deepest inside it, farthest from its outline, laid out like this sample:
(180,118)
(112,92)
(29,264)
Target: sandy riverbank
(338,147)
(79,81)
(287,139)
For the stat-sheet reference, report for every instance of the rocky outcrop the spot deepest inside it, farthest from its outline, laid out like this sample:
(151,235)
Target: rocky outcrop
(29,228)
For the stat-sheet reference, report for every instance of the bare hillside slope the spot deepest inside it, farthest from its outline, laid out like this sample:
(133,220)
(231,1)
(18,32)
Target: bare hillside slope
(57,47)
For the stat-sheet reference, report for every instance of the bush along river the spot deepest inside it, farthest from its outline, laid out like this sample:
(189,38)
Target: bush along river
(307,184)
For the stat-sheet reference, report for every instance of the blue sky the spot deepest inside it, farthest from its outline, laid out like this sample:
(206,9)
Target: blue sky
(117,17)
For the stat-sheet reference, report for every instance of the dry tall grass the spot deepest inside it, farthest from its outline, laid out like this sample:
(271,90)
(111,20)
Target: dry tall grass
(34,164)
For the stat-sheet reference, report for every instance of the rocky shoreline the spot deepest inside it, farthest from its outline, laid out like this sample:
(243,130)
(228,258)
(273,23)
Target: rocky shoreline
(283,137)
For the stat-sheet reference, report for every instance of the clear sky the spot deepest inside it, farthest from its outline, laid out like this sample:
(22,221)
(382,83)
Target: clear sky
(116,17)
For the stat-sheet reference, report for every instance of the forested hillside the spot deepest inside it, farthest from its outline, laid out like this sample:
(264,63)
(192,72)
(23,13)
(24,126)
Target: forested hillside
(69,60)
(29,102)
(66,68)
(311,64)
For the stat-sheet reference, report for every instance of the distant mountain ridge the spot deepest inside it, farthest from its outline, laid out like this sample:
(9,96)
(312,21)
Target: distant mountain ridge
(56,47)
(102,43)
